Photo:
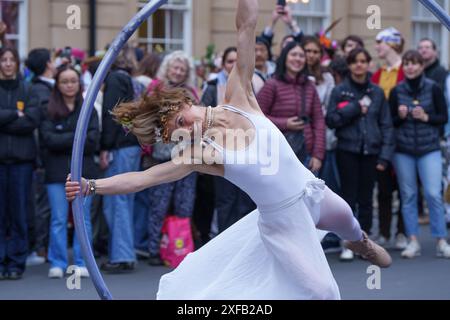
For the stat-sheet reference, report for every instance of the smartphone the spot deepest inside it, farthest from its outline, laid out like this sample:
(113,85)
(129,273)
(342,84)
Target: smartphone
(366,101)
(281,3)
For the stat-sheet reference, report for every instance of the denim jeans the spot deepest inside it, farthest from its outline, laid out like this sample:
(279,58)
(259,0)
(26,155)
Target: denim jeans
(57,251)
(15,182)
(118,209)
(141,210)
(429,167)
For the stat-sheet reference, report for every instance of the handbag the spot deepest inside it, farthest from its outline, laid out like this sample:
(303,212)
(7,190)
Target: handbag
(296,139)
(177,241)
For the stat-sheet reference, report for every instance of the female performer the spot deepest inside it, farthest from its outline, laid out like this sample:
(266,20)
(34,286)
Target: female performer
(272,253)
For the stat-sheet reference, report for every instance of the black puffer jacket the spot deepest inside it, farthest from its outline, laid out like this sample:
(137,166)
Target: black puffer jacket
(17,143)
(437,73)
(118,88)
(57,138)
(412,136)
(43,89)
(370,134)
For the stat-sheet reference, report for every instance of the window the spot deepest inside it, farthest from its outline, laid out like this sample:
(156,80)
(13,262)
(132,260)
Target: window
(13,13)
(424,24)
(169,28)
(312,15)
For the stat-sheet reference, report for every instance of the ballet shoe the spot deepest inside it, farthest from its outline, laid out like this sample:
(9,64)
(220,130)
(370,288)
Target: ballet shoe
(370,251)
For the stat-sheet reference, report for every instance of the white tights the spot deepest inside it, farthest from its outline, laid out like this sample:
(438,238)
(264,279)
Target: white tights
(336,216)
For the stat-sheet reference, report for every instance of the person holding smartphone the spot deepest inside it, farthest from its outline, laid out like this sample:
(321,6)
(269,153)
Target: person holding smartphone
(283,12)
(360,114)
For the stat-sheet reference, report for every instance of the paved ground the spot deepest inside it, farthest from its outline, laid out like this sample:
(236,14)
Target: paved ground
(425,277)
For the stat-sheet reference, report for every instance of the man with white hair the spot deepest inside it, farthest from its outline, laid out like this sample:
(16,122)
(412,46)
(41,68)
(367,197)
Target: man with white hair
(433,68)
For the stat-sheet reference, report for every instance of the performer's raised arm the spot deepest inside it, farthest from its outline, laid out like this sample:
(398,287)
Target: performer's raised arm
(246,17)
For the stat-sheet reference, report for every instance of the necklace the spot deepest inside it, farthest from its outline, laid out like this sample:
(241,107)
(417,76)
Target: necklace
(209,118)
(209,122)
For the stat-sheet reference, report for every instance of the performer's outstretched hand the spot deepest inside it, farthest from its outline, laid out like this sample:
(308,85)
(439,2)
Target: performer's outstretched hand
(73,188)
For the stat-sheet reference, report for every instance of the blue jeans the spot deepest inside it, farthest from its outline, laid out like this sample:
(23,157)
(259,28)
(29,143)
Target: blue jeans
(429,167)
(118,209)
(141,210)
(15,182)
(57,250)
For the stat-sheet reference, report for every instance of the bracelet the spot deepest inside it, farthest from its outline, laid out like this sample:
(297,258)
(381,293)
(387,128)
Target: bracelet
(91,187)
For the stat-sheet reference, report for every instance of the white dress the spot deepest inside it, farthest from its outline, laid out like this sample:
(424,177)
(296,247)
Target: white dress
(272,253)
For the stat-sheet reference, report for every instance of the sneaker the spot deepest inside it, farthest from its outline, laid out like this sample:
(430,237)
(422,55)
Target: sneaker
(34,260)
(346,255)
(55,273)
(443,249)
(155,261)
(412,250)
(14,275)
(401,242)
(370,251)
(83,271)
(119,267)
(382,241)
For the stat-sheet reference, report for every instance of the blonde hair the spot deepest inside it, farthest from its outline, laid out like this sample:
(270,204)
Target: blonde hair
(180,56)
(147,118)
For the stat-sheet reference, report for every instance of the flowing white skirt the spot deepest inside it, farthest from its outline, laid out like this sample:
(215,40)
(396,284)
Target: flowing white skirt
(270,254)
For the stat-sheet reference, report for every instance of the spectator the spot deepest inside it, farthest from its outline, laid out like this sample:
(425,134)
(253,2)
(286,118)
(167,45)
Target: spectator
(285,14)
(360,114)
(389,46)
(351,42)
(291,101)
(433,69)
(419,109)
(339,69)
(40,64)
(264,66)
(176,70)
(57,136)
(120,153)
(19,117)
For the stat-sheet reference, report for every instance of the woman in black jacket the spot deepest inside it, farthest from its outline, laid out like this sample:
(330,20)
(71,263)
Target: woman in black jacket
(19,116)
(419,111)
(57,136)
(360,114)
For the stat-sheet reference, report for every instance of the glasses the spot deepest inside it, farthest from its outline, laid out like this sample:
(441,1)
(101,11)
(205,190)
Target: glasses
(67,82)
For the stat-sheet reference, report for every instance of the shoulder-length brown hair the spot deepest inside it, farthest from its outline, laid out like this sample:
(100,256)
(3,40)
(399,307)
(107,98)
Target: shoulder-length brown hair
(57,108)
(316,70)
(15,56)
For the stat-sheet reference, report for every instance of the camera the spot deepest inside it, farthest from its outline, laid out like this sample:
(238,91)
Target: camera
(305,119)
